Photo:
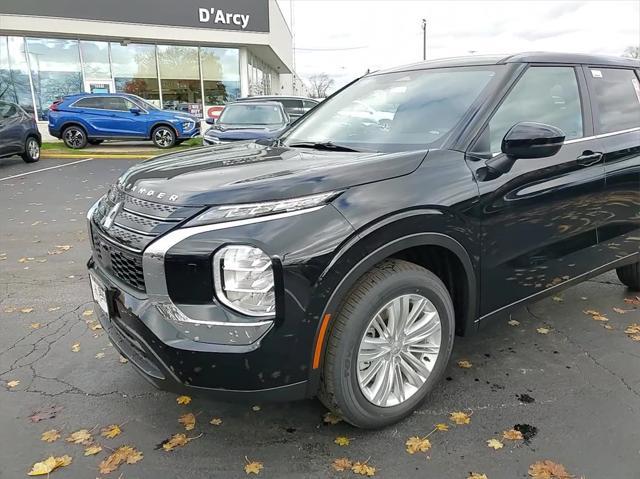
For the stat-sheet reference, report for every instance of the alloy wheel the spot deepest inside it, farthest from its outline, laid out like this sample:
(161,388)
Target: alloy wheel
(163,137)
(74,137)
(399,350)
(33,149)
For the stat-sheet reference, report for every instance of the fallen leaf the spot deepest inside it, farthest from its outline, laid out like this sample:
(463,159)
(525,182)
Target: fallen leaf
(49,412)
(83,436)
(99,355)
(123,454)
(513,322)
(216,421)
(341,464)
(441,427)
(477,475)
(75,348)
(92,450)
(188,421)
(464,364)
(494,444)
(124,360)
(632,329)
(10,309)
(460,417)
(55,308)
(177,440)
(599,317)
(331,418)
(635,301)
(342,441)
(87,312)
(111,431)
(49,465)
(51,435)
(621,311)
(363,469)
(608,326)
(543,330)
(13,384)
(548,470)
(256,408)
(417,444)
(253,467)
(95,326)
(183,400)
(512,435)
(557,299)
(26,310)
(35,326)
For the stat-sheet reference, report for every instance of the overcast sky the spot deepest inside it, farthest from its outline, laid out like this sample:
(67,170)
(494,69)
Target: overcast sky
(345,38)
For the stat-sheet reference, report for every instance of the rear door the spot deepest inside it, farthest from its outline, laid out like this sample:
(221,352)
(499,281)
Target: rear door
(92,110)
(539,220)
(615,95)
(125,123)
(11,129)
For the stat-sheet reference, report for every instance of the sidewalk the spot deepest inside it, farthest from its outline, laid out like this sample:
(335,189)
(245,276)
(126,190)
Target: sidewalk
(114,149)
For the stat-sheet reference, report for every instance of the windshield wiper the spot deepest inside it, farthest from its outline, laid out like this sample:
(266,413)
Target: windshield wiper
(326,145)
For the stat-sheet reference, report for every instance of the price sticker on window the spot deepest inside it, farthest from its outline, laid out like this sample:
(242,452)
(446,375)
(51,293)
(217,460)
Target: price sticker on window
(596,73)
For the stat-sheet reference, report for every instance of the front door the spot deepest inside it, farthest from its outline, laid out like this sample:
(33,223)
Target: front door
(99,86)
(539,220)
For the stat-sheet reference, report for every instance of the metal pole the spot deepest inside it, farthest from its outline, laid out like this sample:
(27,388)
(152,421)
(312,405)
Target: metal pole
(424,39)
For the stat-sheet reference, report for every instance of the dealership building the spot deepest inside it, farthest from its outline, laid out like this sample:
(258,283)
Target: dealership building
(190,55)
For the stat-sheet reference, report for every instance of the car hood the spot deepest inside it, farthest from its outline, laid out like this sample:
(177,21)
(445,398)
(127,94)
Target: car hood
(175,114)
(244,132)
(249,172)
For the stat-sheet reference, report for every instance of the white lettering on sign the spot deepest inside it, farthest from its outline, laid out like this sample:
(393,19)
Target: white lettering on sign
(206,15)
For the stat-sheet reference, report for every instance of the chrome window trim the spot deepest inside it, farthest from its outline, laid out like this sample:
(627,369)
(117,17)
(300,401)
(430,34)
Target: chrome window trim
(73,105)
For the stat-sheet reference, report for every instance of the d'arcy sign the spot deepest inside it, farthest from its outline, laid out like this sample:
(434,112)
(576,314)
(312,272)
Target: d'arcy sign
(207,15)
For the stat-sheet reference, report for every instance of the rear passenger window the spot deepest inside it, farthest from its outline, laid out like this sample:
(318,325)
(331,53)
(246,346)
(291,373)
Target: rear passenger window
(543,94)
(89,102)
(291,104)
(308,105)
(616,99)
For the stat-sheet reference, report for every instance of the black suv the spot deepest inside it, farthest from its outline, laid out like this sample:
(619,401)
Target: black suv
(341,259)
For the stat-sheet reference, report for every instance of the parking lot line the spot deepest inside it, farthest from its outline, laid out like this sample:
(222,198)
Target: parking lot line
(45,169)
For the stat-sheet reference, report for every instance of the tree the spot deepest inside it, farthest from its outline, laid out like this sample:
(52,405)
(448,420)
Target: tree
(320,85)
(632,52)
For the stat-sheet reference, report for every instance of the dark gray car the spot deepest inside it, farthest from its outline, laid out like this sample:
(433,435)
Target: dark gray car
(295,106)
(19,133)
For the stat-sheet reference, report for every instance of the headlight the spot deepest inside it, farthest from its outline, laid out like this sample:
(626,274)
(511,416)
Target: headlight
(187,125)
(220,214)
(243,278)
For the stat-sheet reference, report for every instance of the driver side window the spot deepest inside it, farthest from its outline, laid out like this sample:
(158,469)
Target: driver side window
(547,95)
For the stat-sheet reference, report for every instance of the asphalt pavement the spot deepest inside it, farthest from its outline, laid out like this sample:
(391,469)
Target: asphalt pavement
(574,391)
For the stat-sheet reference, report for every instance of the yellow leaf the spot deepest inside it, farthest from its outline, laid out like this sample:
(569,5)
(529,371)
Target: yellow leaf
(513,322)
(256,408)
(87,312)
(188,421)
(417,444)
(460,417)
(55,308)
(99,355)
(477,475)
(543,330)
(51,435)
(621,311)
(548,470)
(512,435)
(75,348)
(253,467)
(124,360)
(632,329)
(599,317)
(557,299)
(494,444)
(13,384)
(635,301)
(342,441)
(442,427)
(35,325)
(331,418)
(216,421)
(363,469)
(111,431)
(183,400)
(123,454)
(92,450)
(49,465)
(341,464)
(177,440)
(62,461)
(26,310)
(464,364)
(83,436)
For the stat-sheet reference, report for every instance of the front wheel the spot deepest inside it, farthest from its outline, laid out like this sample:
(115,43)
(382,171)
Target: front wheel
(389,345)
(163,137)
(31,150)
(629,275)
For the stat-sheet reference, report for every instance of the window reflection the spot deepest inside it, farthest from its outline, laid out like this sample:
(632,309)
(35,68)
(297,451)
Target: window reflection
(221,75)
(135,70)
(95,58)
(14,73)
(180,78)
(55,70)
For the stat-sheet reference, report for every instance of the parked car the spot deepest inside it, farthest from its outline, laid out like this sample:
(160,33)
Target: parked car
(295,106)
(94,117)
(247,121)
(19,133)
(342,258)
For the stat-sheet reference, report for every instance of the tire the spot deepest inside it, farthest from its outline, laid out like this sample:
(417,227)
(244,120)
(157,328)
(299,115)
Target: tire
(340,389)
(74,137)
(31,150)
(95,142)
(629,275)
(163,136)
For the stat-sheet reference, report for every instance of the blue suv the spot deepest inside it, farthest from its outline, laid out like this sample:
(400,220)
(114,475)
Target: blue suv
(94,117)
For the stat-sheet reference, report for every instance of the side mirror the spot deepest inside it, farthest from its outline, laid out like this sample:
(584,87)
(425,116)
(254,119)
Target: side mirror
(210,121)
(528,140)
(135,111)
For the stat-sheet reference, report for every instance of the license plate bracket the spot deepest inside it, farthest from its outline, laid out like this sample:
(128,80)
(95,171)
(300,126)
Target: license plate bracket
(99,293)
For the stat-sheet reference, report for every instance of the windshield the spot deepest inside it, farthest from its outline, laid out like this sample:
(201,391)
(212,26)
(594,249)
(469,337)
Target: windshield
(144,104)
(247,114)
(394,111)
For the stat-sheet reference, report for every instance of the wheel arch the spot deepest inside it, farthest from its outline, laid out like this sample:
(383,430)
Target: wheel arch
(77,123)
(159,123)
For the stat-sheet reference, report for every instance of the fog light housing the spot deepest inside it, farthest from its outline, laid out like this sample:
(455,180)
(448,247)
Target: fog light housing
(243,279)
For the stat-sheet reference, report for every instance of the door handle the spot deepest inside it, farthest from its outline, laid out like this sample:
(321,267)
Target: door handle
(589,158)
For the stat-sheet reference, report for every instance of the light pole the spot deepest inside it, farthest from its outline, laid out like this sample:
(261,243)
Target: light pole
(424,38)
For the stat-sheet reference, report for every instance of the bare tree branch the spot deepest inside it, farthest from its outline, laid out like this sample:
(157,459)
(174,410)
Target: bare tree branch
(321,83)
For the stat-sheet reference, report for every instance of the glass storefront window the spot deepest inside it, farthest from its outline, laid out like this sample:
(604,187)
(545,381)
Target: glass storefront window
(135,70)
(221,75)
(14,73)
(95,58)
(180,78)
(259,77)
(55,70)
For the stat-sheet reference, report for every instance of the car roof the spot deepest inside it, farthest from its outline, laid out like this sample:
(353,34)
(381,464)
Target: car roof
(259,103)
(78,95)
(526,57)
